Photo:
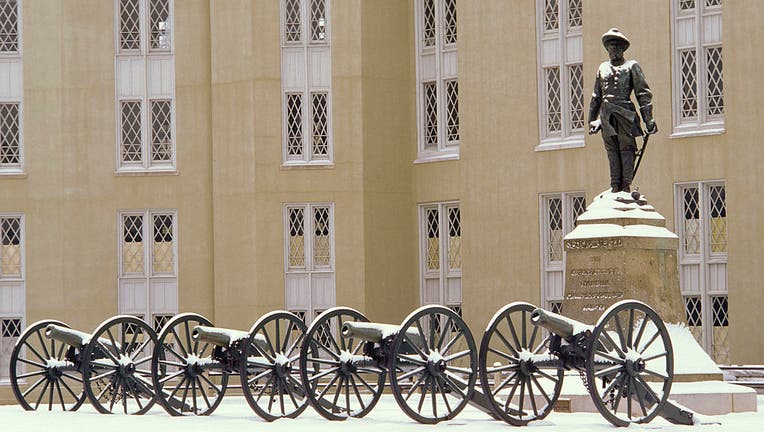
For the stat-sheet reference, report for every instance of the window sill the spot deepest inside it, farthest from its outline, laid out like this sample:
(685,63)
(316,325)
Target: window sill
(561,143)
(680,132)
(436,157)
(291,165)
(13,173)
(128,172)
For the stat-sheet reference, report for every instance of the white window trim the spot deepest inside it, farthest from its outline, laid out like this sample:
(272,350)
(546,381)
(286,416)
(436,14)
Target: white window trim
(444,273)
(9,58)
(567,226)
(567,139)
(307,108)
(703,125)
(17,280)
(147,233)
(445,152)
(146,166)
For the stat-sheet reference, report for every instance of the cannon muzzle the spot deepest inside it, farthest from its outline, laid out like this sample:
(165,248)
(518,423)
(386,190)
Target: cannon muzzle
(374,332)
(217,336)
(66,335)
(558,324)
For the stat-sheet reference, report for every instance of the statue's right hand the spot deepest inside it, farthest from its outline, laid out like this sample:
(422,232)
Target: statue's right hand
(595,126)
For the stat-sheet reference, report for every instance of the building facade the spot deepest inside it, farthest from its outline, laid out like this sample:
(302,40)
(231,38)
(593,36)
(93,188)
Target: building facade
(240,156)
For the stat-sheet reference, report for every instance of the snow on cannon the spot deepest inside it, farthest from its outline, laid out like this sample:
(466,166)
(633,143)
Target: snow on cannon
(193,361)
(57,367)
(626,362)
(430,359)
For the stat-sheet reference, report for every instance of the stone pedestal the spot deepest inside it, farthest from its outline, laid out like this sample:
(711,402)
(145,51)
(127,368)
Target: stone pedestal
(621,249)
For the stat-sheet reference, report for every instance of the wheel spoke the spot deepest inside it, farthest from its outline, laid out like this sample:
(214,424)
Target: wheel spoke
(641,330)
(648,390)
(31,348)
(338,392)
(454,385)
(541,389)
(42,344)
(363,381)
(442,384)
(541,345)
(423,394)
(434,396)
(510,367)
(268,341)
(650,342)
(522,395)
(259,376)
(211,384)
(294,345)
(322,361)
(656,374)
(619,330)
(140,348)
(459,369)
(639,397)
(533,336)
(452,342)
(171,376)
(42,393)
(608,357)
(608,371)
(416,385)
(412,359)
(505,341)
(323,374)
(457,355)
(69,389)
(328,386)
(503,384)
(60,394)
(34,386)
(180,344)
(618,395)
(532,397)
(503,355)
(513,332)
(630,330)
(424,339)
(655,356)
(411,373)
(188,341)
(357,393)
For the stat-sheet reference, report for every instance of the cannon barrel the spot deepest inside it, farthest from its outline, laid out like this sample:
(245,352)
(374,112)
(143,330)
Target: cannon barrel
(374,332)
(66,335)
(558,324)
(225,337)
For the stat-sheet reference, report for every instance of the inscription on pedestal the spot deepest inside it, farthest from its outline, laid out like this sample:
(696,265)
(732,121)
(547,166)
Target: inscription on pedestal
(600,243)
(591,291)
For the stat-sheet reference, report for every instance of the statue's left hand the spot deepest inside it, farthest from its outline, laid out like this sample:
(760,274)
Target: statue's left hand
(652,127)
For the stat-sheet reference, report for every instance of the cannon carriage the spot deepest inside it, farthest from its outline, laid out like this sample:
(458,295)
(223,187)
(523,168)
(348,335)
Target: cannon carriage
(193,362)
(55,366)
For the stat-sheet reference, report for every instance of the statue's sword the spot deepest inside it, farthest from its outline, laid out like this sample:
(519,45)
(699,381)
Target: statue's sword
(641,153)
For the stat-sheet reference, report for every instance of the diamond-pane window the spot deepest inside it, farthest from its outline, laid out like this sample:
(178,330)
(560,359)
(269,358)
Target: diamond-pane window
(10,148)
(457,308)
(161,130)
(430,116)
(323,333)
(712,3)
(131,131)
(691,221)
(433,239)
(11,327)
(553,109)
(579,207)
(322,239)
(132,244)
(555,229)
(688,69)
(551,15)
(454,238)
(10,247)
(693,311)
(449,26)
(129,25)
(720,330)
(715,82)
(576,77)
(300,314)
(294,125)
(317,20)
(575,13)
(428,26)
(296,238)
(686,4)
(452,111)
(320,126)
(159,14)
(718,220)
(159,320)
(721,318)
(293,26)
(9,26)
(164,252)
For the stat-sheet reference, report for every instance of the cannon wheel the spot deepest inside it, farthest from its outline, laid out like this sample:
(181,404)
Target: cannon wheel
(441,364)
(36,358)
(182,385)
(116,374)
(506,369)
(330,375)
(632,358)
(270,381)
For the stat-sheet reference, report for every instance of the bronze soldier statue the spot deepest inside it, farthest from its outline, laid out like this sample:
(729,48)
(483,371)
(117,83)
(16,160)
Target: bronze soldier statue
(618,119)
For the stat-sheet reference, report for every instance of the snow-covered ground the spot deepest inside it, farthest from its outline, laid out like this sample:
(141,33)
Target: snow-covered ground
(235,415)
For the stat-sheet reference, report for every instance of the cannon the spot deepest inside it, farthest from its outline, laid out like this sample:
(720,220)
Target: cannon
(54,365)
(625,361)
(430,359)
(193,361)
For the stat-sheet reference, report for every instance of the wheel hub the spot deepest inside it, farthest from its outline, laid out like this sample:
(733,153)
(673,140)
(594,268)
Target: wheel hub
(436,364)
(282,366)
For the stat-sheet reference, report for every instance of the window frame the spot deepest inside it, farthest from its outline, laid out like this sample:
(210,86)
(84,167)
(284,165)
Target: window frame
(307,158)
(570,53)
(20,281)
(703,124)
(15,60)
(144,55)
(444,150)
(444,271)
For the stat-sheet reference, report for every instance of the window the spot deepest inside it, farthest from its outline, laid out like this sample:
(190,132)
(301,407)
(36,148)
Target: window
(12,287)
(11,92)
(309,258)
(440,234)
(306,82)
(437,78)
(145,66)
(558,217)
(148,265)
(698,82)
(701,217)
(560,73)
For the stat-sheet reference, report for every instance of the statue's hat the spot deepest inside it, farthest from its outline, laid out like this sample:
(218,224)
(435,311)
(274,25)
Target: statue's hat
(615,34)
